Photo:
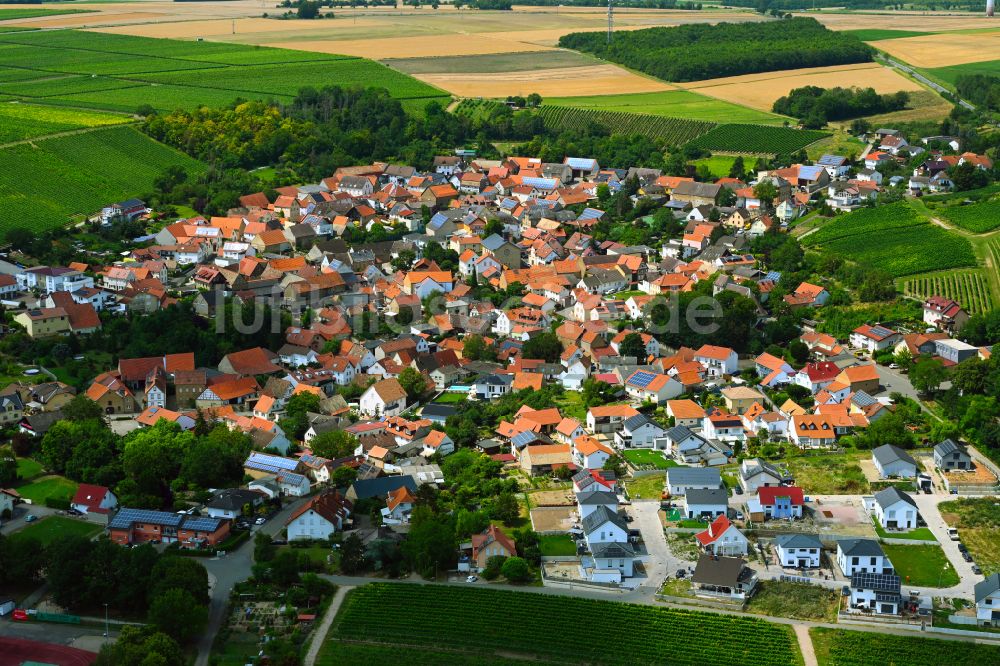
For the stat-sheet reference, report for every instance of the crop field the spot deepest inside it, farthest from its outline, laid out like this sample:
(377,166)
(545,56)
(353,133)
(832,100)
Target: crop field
(493,62)
(367,654)
(943,50)
(593,79)
(47,183)
(977,218)
(866,221)
(15,14)
(169,74)
(675,131)
(920,249)
(492,623)
(878,34)
(948,75)
(970,288)
(674,103)
(26,121)
(761,90)
(840,647)
(757,139)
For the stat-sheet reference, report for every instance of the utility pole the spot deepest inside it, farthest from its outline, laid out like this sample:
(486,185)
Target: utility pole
(611,19)
(106,620)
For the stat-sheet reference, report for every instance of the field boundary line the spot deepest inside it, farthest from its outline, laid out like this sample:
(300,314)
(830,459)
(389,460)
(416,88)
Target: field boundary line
(319,636)
(59,135)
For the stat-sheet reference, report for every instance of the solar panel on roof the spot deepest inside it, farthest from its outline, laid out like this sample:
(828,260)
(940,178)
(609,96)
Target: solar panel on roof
(875,581)
(881,331)
(641,379)
(201,524)
(125,518)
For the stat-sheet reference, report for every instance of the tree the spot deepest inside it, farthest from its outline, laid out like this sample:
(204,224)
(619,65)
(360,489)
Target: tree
(8,467)
(533,100)
(474,348)
(296,420)
(632,345)
(889,429)
(430,547)
(308,10)
(141,646)
(506,508)
(799,351)
(178,614)
(616,464)
(333,444)
(352,555)
(414,383)
(927,375)
(545,346)
(766,192)
(183,573)
(516,570)
(343,476)
(494,565)
(738,170)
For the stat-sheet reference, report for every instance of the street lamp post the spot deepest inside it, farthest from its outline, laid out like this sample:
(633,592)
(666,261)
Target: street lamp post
(106,620)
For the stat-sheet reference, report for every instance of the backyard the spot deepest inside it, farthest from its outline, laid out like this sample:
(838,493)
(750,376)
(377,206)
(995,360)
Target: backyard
(648,458)
(46,487)
(51,528)
(451,397)
(919,534)
(556,545)
(921,565)
(28,469)
(799,601)
(646,487)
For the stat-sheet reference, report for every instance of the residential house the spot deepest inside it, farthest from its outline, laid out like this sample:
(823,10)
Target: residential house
(873,338)
(608,419)
(987,593)
(646,386)
(722,538)
(682,479)
(717,361)
(894,510)
(944,313)
(739,399)
(798,551)
(639,431)
(724,428)
(706,503)
(720,576)
(398,506)
(862,555)
(588,453)
(134,526)
(878,593)
(94,499)
(776,503)
(320,517)
(812,431)
(476,552)
(893,462)
(544,458)
(949,456)
(383,398)
(756,473)
(686,413)
(232,503)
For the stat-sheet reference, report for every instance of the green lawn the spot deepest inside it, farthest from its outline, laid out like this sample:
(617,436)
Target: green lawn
(50,528)
(47,486)
(693,524)
(646,487)
(674,103)
(720,165)
(921,565)
(28,469)
(919,534)
(649,457)
(799,601)
(625,295)
(448,398)
(829,474)
(554,545)
(570,404)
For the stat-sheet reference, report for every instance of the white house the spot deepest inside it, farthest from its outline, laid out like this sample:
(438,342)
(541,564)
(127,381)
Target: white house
(89,499)
(875,592)
(950,456)
(798,551)
(644,386)
(892,461)
(230,502)
(682,479)
(724,427)
(717,361)
(988,601)
(589,453)
(722,538)
(862,555)
(894,509)
(756,473)
(437,441)
(383,398)
(874,338)
(776,503)
(589,502)
(604,526)
(319,517)
(398,506)
(640,431)
(706,503)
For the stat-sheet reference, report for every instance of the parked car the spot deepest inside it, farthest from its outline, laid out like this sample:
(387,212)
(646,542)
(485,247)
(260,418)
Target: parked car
(74,512)
(976,570)
(19,615)
(953,533)
(30,518)
(966,556)
(260,521)
(962,548)
(681,573)
(471,579)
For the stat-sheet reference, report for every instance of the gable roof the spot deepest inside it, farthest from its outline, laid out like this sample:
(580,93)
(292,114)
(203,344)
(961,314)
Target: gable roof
(888,454)
(767,494)
(600,516)
(860,548)
(891,495)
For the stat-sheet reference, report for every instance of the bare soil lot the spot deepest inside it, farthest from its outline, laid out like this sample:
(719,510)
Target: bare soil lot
(552,519)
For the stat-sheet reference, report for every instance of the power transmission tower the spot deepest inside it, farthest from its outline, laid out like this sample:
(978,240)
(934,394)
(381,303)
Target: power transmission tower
(611,19)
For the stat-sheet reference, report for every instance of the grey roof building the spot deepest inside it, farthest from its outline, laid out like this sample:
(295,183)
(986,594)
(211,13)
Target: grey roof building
(860,548)
(600,516)
(797,541)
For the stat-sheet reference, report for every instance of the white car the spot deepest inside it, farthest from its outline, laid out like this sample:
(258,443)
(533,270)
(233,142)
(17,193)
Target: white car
(260,521)
(471,579)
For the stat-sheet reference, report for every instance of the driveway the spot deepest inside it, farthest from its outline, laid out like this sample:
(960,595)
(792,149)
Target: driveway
(659,561)
(928,507)
(893,381)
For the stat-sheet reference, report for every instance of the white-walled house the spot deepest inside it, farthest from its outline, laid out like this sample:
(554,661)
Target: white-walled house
(892,461)
(798,551)
(717,361)
(318,518)
(383,398)
(722,538)
(640,431)
(988,601)
(589,502)
(398,506)
(589,453)
(862,555)
(894,509)
(682,479)
(706,503)
(879,593)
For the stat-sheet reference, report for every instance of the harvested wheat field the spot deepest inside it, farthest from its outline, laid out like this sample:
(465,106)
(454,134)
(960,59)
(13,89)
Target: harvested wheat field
(920,21)
(943,50)
(85,20)
(409,47)
(560,82)
(224,27)
(759,91)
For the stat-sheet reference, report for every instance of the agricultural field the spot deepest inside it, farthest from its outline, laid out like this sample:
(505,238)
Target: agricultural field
(27,121)
(948,75)
(368,654)
(924,566)
(719,165)
(507,624)
(15,14)
(943,50)
(757,139)
(675,131)
(53,180)
(978,218)
(879,34)
(50,528)
(593,79)
(760,91)
(913,245)
(840,647)
(970,288)
(493,62)
(674,103)
(978,523)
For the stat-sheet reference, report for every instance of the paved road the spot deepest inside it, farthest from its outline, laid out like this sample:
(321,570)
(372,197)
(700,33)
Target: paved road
(225,572)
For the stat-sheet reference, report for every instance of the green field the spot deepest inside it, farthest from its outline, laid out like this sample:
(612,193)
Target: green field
(828,474)
(977,218)
(368,654)
(971,288)
(55,487)
(800,601)
(14,14)
(673,103)
(948,75)
(554,545)
(719,165)
(451,398)
(925,566)
(26,121)
(648,457)
(840,647)
(895,238)
(646,487)
(50,181)
(50,528)
(978,523)
(877,34)
(480,622)
(28,469)
(755,139)
(491,62)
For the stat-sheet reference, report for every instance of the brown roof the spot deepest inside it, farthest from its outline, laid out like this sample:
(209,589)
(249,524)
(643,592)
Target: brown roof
(330,505)
(389,389)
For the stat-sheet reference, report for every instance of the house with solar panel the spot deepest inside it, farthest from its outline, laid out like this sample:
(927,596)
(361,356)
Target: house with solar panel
(646,386)
(875,593)
(874,338)
(134,526)
(583,167)
(287,475)
(862,555)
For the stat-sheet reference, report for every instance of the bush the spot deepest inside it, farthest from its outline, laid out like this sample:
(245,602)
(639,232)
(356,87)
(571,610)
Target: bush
(57,503)
(516,570)
(494,565)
